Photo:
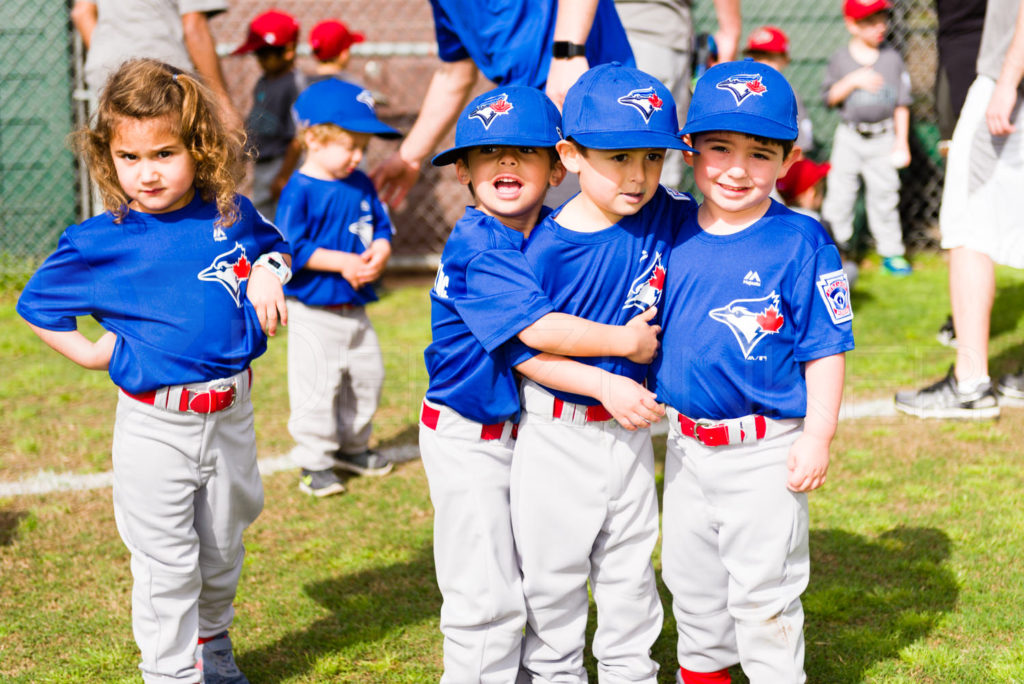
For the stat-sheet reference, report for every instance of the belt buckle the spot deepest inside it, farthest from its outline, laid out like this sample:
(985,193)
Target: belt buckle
(708,424)
(211,392)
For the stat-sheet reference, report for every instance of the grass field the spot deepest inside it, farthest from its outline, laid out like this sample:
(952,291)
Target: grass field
(914,540)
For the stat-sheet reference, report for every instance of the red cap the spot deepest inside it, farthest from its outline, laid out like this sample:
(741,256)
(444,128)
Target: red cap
(768,39)
(330,38)
(803,174)
(860,9)
(270,29)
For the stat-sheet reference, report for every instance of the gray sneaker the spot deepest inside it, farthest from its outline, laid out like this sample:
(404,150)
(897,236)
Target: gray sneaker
(321,482)
(367,463)
(217,661)
(1011,389)
(943,400)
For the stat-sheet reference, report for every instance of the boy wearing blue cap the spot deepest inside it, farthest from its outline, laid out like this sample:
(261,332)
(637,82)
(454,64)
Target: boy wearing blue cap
(341,237)
(757,320)
(484,295)
(584,504)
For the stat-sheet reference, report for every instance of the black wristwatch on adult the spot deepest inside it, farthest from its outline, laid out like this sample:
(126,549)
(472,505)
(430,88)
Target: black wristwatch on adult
(563,49)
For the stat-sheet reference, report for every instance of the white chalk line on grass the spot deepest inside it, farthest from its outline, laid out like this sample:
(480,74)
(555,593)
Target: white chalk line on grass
(48,481)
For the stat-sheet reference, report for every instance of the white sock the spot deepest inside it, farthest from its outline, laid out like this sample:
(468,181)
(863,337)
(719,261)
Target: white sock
(973,385)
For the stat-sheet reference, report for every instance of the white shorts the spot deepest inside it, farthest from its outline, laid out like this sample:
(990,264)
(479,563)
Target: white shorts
(982,201)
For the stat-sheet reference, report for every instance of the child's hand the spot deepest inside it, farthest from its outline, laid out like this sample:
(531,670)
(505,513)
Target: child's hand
(900,156)
(632,405)
(351,266)
(646,336)
(267,297)
(374,260)
(808,463)
(867,79)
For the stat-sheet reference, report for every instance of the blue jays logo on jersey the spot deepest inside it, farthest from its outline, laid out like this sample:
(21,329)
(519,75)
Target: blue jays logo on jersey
(834,289)
(491,108)
(644,100)
(230,269)
(751,320)
(743,86)
(646,290)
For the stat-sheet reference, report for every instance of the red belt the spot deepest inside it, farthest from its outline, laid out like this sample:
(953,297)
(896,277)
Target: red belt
(430,415)
(595,414)
(716,433)
(211,400)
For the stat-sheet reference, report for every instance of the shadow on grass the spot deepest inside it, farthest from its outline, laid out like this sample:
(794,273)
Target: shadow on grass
(867,600)
(365,607)
(9,522)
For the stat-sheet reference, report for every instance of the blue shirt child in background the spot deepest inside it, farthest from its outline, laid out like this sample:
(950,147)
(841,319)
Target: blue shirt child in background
(341,237)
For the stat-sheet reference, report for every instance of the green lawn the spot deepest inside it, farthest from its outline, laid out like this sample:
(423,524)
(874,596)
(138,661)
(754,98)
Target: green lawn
(914,539)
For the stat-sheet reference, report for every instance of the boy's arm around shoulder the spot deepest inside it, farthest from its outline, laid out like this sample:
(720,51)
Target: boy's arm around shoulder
(560,333)
(809,455)
(631,404)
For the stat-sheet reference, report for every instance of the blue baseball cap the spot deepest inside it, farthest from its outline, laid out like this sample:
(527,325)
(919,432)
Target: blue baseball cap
(511,116)
(743,97)
(615,107)
(344,104)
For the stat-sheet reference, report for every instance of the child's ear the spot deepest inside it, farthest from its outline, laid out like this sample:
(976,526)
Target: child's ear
(687,155)
(557,174)
(569,154)
(794,154)
(462,172)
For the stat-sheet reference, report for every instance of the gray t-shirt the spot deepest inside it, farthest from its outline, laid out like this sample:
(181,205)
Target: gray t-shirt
(663,22)
(862,106)
(140,28)
(1000,21)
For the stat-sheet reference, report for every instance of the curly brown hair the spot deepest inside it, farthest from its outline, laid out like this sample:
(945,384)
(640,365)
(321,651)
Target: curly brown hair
(149,89)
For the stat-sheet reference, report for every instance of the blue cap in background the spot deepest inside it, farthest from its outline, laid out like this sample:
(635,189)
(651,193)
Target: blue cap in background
(517,116)
(743,97)
(344,104)
(615,107)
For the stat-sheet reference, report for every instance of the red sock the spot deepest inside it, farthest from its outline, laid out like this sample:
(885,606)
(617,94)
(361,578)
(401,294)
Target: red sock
(719,677)
(203,640)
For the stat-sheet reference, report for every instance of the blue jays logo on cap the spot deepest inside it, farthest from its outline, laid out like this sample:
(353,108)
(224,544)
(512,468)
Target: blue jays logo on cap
(743,86)
(491,108)
(644,100)
(366,98)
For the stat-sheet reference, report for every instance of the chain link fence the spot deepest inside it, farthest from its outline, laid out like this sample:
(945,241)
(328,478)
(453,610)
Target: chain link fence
(42,191)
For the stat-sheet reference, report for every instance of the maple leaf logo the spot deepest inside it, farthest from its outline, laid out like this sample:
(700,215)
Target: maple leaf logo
(501,106)
(242,268)
(770,321)
(657,280)
(655,101)
(756,87)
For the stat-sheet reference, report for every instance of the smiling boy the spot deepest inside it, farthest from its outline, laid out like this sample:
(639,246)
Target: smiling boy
(757,320)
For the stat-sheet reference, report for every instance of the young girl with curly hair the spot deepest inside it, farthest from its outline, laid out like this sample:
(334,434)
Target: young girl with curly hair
(186,278)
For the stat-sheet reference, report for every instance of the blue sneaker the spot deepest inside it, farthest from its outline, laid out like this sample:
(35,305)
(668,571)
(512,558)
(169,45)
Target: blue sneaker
(217,662)
(897,265)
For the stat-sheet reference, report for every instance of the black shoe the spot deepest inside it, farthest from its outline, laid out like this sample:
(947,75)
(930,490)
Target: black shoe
(367,463)
(947,335)
(321,482)
(1011,389)
(944,400)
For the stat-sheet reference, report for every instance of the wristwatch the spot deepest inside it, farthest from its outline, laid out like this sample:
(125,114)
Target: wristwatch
(563,49)
(274,262)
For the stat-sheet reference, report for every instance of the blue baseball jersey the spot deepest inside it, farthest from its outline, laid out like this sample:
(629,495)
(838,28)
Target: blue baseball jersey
(484,295)
(510,42)
(170,286)
(743,312)
(608,276)
(343,215)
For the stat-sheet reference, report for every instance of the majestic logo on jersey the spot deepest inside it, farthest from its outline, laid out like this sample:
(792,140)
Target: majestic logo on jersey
(646,290)
(491,108)
(643,100)
(229,269)
(363,228)
(743,86)
(441,283)
(752,278)
(834,289)
(751,320)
